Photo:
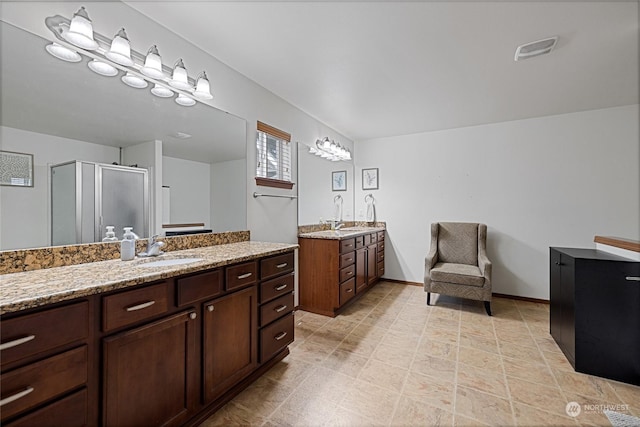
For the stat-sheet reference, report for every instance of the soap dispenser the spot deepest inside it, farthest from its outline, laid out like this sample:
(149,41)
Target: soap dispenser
(110,235)
(128,245)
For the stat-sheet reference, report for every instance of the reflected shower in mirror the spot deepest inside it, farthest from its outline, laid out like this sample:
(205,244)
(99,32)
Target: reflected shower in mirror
(325,188)
(60,112)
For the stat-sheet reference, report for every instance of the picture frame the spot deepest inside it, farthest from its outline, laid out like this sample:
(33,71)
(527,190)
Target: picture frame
(16,169)
(370,179)
(339,180)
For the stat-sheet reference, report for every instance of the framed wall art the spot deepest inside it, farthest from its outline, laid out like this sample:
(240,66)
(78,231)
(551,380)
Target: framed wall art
(370,179)
(339,181)
(16,169)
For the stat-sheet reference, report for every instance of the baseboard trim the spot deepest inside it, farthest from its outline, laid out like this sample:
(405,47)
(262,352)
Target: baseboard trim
(516,297)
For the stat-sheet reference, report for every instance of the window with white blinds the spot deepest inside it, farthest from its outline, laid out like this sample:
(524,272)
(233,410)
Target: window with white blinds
(273,154)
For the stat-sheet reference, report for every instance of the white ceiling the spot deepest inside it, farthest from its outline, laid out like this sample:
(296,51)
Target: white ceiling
(374,69)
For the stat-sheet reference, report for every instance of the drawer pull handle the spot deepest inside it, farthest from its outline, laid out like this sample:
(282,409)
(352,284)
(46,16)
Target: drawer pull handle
(348,246)
(17,342)
(141,306)
(283,265)
(193,315)
(633,278)
(281,287)
(349,290)
(280,308)
(16,396)
(349,259)
(244,276)
(349,273)
(280,336)
(210,308)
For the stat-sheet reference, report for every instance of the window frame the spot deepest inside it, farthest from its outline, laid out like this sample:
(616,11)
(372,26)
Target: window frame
(283,138)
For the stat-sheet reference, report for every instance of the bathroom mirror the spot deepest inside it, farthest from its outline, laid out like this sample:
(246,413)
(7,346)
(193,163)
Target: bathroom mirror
(324,191)
(60,111)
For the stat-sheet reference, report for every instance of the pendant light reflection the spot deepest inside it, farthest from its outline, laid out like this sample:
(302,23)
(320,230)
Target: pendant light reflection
(102,68)
(203,89)
(120,51)
(134,81)
(63,53)
(161,91)
(153,64)
(185,101)
(81,31)
(179,79)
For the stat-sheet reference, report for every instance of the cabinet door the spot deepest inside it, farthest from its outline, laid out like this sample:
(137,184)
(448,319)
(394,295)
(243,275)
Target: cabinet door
(150,373)
(361,269)
(371,264)
(230,350)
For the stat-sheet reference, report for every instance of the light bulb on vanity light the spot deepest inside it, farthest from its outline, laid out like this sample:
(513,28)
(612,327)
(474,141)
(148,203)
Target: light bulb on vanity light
(161,91)
(134,81)
(102,68)
(203,89)
(153,64)
(185,101)
(64,53)
(81,31)
(180,79)
(120,51)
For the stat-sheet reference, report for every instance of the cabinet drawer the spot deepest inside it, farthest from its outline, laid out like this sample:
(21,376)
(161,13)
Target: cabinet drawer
(359,242)
(380,254)
(374,237)
(276,337)
(367,239)
(275,287)
(41,381)
(69,412)
(347,245)
(130,307)
(347,259)
(380,268)
(347,273)
(347,290)
(200,286)
(276,265)
(380,246)
(40,332)
(276,308)
(380,235)
(241,275)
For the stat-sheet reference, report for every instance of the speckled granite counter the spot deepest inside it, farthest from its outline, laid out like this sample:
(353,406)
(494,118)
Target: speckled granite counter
(40,287)
(340,234)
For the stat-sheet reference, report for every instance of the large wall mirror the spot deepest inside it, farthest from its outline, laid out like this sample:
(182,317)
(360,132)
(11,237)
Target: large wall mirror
(60,112)
(325,188)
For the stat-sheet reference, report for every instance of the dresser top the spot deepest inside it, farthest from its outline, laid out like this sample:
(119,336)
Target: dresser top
(592,254)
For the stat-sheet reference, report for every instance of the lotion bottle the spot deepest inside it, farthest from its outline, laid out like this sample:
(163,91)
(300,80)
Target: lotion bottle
(128,245)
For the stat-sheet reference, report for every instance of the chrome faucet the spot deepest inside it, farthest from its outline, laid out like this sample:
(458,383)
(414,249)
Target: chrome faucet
(153,247)
(336,225)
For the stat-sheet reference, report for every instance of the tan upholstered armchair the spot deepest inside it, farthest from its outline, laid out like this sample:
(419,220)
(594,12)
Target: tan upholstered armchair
(457,262)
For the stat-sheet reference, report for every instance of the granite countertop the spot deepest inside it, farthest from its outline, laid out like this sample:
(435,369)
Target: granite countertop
(341,234)
(40,287)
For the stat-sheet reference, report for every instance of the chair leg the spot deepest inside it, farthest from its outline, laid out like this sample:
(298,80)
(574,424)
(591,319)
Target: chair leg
(428,298)
(487,306)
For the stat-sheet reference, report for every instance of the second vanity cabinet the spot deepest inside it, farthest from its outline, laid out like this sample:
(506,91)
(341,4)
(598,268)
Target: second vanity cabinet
(335,270)
(165,353)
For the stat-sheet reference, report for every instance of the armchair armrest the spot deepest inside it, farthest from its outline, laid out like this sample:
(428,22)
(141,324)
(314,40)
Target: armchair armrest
(485,266)
(432,256)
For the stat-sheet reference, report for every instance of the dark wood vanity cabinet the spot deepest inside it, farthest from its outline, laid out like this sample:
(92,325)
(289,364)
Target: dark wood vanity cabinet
(335,271)
(165,353)
(594,315)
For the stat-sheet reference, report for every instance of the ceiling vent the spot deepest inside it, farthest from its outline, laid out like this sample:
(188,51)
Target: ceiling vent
(540,47)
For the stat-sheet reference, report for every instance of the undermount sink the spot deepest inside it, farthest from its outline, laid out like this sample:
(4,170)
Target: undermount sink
(170,262)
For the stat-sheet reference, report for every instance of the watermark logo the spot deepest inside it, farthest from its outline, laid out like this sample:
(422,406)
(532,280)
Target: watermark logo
(573,409)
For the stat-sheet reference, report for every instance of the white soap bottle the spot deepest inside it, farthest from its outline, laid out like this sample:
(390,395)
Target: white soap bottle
(110,235)
(128,245)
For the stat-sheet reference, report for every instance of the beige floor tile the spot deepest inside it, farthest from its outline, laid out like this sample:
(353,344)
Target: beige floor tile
(481,343)
(547,344)
(430,390)
(324,384)
(327,339)
(443,323)
(412,412)
(592,410)
(233,414)
(478,330)
(264,396)
(368,331)
(516,351)
(345,362)
(340,325)
(290,371)
(440,349)
(628,394)
(439,334)
(407,340)
(299,410)
(370,401)
(483,380)
(480,359)
(484,407)
(383,375)
(345,418)
(396,356)
(547,397)
(359,345)
(557,360)
(530,371)
(529,416)
(311,352)
(434,366)
(462,421)
(585,385)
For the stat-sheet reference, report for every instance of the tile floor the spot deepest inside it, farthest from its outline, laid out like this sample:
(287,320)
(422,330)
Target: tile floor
(391,360)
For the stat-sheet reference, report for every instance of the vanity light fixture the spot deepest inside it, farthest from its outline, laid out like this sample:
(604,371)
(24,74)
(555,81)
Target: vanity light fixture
(108,57)
(330,150)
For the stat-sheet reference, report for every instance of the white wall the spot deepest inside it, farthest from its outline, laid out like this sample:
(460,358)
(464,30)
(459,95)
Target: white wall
(190,184)
(228,201)
(548,181)
(24,211)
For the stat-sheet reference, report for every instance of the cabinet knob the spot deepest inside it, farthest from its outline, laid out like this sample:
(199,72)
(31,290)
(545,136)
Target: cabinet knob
(210,307)
(633,278)
(192,316)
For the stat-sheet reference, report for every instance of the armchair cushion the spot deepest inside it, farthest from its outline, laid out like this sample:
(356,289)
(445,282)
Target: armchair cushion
(461,274)
(458,243)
